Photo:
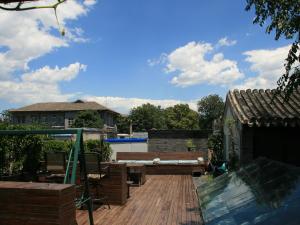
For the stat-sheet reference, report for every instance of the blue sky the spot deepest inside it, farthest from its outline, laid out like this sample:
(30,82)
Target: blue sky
(125,53)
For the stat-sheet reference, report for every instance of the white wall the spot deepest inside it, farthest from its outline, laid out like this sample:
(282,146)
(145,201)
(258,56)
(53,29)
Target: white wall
(128,147)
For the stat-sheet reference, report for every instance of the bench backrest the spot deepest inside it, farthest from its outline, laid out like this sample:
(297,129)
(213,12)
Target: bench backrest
(161,155)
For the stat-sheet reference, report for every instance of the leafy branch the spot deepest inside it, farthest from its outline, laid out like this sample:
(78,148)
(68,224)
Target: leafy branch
(284,18)
(19,7)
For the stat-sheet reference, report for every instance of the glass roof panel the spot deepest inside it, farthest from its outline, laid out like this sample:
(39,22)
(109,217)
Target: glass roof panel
(263,192)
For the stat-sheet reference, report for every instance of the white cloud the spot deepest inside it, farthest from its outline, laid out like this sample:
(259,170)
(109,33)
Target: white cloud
(48,75)
(226,42)
(268,64)
(40,85)
(29,35)
(89,2)
(161,60)
(194,68)
(123,105)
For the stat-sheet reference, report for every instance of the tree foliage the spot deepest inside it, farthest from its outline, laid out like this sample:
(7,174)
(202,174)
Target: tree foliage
(99,146)
(20,152)
(283,17)
(5,116)
(89,119)
(52,145)
(215,143)
(180,116)
(123,123)
(210,108)
(147,117)
(23,153)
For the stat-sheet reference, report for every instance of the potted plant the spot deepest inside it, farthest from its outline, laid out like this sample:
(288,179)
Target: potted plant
(190,145)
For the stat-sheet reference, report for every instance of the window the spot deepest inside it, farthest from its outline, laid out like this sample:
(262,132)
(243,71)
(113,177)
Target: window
(43,119)
(70,122)
(34,119)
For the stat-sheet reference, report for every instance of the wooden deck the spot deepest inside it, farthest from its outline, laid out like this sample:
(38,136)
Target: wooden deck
(163,199)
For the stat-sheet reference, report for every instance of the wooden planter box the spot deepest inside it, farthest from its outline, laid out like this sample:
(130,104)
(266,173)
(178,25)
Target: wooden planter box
(37,204)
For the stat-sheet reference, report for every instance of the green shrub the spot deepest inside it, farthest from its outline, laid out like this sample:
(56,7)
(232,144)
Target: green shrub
(215,143)
(20,153)
(92,145)
(24,152)
(57,146)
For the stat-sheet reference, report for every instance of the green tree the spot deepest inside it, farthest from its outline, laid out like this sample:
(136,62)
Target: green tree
(283,17)
(123,123)
(210,108)
(89,119)
(5,116)
(181,117)
(147,117)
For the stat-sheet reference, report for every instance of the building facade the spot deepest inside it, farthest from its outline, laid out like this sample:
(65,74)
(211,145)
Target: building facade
(60,114)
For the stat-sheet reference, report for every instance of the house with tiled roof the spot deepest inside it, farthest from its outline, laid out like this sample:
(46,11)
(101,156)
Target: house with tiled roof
(261,123)
(60,114)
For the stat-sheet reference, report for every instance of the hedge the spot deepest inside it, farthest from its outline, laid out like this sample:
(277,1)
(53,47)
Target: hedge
(24,153)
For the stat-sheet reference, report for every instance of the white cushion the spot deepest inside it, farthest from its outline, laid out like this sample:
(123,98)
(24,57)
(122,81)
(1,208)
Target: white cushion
(126,161)
(145,162)
(156,160)
(168,162)
(189,162)
(200,160)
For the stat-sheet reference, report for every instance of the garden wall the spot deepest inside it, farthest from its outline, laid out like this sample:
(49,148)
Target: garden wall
(176,140)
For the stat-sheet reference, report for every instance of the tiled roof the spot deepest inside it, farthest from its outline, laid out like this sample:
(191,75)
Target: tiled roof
(264,108)
(62,106)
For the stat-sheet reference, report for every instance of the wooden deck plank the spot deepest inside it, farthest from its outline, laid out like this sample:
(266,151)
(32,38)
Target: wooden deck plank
(155,206)
(164,199)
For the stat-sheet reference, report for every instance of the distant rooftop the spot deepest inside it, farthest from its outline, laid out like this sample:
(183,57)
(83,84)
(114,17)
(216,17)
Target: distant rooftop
(77,105)
(264,108)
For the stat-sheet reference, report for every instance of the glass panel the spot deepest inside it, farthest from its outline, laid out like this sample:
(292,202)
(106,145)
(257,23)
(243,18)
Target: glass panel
(263,192)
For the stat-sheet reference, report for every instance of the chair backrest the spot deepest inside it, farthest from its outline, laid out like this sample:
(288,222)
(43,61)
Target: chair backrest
(56,161)
(94,166)
(92,162)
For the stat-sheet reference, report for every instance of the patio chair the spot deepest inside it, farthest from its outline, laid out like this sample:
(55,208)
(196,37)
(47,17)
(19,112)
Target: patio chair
(55,166)
(96,173)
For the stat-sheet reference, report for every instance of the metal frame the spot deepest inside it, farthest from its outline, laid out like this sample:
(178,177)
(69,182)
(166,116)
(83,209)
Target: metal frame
(77,149)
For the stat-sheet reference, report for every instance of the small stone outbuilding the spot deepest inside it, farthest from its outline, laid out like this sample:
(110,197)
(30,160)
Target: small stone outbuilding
(260,123)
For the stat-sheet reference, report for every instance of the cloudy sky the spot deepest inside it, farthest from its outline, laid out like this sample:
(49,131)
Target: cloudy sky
(126,53)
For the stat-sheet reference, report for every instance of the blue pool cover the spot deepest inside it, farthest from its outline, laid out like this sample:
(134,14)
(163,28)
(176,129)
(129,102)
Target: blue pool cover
(264,192)
(125,140)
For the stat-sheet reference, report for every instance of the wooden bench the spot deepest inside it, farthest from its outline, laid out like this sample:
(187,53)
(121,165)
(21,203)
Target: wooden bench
(182,168)
(161,155)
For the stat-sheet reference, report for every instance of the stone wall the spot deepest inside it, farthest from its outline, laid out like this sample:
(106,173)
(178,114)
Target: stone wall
(176,141)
